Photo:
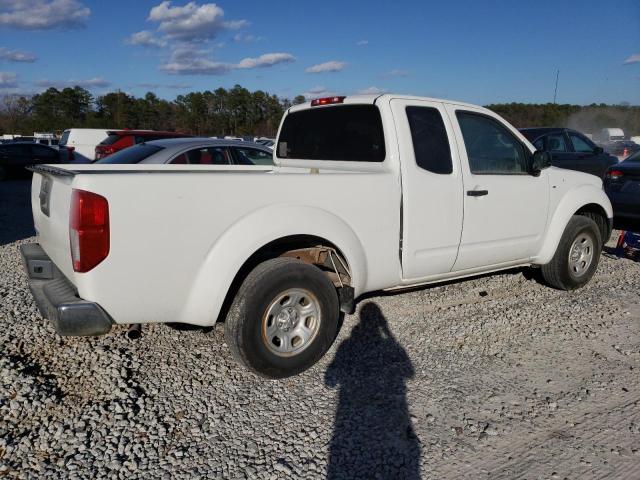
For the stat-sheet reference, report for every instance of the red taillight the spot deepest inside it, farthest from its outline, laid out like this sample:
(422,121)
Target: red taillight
(327,101)
(70,153)
(614,174)
(88,229)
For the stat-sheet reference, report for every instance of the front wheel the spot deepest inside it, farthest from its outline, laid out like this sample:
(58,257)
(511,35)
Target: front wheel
(577,255)
(283,319)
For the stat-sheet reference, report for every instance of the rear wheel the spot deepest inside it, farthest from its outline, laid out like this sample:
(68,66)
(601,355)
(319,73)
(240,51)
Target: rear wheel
(576,258)
(283,319)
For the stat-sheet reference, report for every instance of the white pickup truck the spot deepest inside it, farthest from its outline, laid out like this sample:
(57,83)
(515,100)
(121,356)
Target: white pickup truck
(367,193)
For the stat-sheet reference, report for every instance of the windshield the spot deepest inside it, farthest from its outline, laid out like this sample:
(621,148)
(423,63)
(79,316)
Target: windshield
(134,154)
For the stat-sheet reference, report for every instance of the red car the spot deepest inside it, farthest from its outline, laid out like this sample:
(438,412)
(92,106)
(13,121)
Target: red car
(119,139)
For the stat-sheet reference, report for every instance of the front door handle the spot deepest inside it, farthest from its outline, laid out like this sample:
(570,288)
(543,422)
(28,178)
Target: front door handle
(477,193)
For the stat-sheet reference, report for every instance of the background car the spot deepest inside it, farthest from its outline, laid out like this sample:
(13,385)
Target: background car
(194,151)
(119,139)
(622,185)
(570,149)
(78,145)
(17,155)
(621,148)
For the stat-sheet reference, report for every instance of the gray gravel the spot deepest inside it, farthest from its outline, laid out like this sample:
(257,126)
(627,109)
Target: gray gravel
(495,377)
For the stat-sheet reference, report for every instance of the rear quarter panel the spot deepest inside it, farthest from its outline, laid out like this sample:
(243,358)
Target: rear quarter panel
(178,239)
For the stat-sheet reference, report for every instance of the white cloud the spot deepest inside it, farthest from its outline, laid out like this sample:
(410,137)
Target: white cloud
(317,92)
(362,43)
(43,14)
(332,66)
(16,55)
(242,38)
(187,61)
(8,80)
(95,82)
(145,38)
(632,59)
(371,91)
(266,60)
(192,21)
(173,86)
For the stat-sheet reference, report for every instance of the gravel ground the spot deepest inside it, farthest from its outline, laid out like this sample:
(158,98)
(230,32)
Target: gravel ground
(495,377)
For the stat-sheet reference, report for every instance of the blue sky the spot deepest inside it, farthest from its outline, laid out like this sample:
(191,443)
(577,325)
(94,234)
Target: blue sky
(476,51)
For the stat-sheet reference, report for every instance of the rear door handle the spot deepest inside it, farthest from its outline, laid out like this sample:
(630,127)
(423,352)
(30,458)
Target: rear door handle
(477,193)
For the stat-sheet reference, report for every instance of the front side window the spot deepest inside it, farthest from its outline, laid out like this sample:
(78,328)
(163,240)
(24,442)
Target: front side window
(430,141)
(252,156)
(350,133)
(556,143)
(491,148)
(580,144)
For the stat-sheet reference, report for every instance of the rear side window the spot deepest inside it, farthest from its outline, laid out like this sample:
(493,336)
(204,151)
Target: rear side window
(556,143)
(430,141)
(133,154)
(350,133)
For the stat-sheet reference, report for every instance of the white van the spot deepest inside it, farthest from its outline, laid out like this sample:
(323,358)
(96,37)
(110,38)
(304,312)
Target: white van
(610,135)
(80,144)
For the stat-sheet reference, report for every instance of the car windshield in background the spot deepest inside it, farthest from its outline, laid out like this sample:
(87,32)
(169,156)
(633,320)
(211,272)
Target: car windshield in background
(342,133)
(133,154)
(110,140)
(64,138)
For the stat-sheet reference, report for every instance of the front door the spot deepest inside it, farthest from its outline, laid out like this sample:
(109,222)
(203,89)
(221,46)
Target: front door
(431,188)
(505,207)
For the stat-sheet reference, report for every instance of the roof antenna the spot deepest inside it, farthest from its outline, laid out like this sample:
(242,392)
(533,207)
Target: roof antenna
(555,92)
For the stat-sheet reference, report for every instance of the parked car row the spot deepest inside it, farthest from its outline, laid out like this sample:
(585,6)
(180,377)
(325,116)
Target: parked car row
(193,151)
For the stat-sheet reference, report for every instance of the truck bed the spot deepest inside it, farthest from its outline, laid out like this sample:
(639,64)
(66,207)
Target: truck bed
(167,223)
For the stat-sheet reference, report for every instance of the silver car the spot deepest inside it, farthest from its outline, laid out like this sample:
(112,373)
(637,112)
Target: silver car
(193,151)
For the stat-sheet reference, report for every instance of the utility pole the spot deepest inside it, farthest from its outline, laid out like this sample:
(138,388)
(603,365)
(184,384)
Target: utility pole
(555,92)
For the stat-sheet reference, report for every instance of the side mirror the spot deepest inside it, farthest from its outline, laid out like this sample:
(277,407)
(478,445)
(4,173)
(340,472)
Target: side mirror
(598,150)
(540,161)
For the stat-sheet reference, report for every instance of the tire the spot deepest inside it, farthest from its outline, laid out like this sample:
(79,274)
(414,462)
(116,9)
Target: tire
(565,273)
(283,319)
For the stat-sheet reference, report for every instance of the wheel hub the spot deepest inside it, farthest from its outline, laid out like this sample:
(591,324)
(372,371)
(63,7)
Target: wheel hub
(287,319)
(291,322)
(581,255)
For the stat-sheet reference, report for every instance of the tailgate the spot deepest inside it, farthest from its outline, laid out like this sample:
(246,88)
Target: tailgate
(50,201)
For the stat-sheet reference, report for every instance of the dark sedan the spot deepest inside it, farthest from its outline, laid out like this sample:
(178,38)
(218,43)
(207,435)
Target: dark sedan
(15,156)
(622,184)
(570,149)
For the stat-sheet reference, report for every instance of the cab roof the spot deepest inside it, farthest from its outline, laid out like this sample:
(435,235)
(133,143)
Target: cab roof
(371,99)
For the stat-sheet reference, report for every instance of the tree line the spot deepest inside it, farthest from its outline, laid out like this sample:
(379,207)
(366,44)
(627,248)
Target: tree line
(238,111)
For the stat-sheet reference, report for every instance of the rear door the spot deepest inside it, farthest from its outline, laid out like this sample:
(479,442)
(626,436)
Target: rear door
(588,158)
(505,208)
(431,188)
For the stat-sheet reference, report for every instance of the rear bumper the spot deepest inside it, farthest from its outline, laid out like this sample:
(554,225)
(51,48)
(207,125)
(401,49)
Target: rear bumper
(57,298)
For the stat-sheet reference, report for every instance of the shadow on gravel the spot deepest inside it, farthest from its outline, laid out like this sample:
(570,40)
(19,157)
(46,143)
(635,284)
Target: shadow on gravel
(372,434)
(16,220)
